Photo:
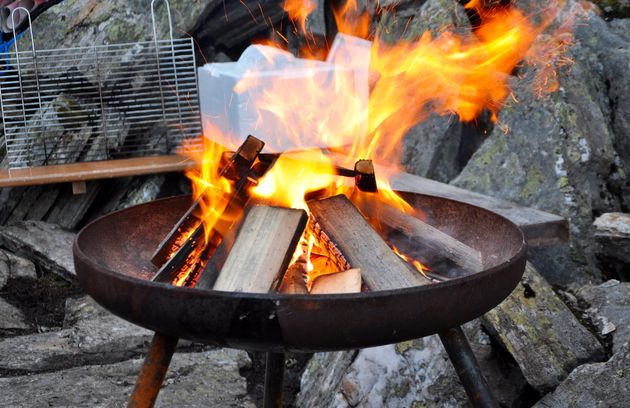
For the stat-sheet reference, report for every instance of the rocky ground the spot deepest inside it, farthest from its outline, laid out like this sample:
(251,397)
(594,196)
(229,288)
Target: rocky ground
(560,339)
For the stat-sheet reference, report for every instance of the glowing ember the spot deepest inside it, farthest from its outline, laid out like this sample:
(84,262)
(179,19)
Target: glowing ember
(450,74)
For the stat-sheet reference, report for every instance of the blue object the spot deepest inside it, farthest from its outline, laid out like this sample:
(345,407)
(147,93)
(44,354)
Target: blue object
(4,50)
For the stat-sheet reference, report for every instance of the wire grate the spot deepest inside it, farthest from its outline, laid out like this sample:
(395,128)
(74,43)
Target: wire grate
(98,102)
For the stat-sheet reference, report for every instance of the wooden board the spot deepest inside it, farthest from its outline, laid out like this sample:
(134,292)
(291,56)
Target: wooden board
(540,228)
(64,173)
(362,246)
(263,249)
(424,235)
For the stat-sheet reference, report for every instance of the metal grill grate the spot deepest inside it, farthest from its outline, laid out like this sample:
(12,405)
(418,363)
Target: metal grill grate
(98,102)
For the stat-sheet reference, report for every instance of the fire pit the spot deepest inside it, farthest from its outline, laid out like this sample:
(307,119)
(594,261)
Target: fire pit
(112,257)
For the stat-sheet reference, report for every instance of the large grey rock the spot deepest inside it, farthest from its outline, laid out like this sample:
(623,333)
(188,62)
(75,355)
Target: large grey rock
(413,373)
(432,146)
(560,154)
(322,378)
(15,267)
(438,146)
(409,19)
(48,245)
(89,22)
(12,320)
(231,25)
(90,335)
(612,235)
(206,379)
(142,190)
(608,51)
(609,309)
(614,8)
(540,332)
(594,385)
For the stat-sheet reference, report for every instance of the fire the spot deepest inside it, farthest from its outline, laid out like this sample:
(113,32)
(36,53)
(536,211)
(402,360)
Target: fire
(299,10)
(423,269)
(449,74)
(293,176)
(351,20)
(207,185)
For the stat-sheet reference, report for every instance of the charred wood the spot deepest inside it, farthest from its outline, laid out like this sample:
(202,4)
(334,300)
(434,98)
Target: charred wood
(435,243)
(235,169)
(362,246)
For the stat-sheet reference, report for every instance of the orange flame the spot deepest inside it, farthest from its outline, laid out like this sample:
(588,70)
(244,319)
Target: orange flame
(207,185)
(450,74)
(299,10)
(423,269)
(293,176)
(351,20)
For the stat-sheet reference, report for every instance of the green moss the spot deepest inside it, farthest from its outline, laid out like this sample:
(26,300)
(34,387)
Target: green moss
(120,30)
(103,12)
(535,179)
(563,183)
(404,346)
(402,390)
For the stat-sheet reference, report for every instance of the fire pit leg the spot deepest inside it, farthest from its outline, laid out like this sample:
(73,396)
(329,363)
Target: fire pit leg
(153,371)
(462,357)
(274,375)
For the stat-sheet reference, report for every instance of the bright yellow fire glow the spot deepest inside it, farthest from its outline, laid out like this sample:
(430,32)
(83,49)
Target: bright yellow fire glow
(449,74)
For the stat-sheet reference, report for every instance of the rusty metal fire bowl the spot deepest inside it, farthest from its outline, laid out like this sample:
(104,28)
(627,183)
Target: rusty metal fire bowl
(112,263)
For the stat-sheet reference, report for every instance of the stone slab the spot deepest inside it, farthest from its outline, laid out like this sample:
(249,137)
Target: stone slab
(540,332)
(206,379)
(47,245)
(594,385)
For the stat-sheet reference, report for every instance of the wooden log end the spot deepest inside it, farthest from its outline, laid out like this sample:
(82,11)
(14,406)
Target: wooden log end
(341,282)
(262,250)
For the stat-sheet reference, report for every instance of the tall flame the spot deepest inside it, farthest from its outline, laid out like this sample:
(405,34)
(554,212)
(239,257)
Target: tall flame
(449,74)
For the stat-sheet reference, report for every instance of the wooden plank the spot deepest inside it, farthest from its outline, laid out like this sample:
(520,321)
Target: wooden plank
(65,173)
(424,235)
(539,227)
(262,250)
(362,246)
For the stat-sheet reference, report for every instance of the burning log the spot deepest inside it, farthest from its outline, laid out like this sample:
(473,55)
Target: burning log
(235,169)
(262,251)
(362,246)
(294,281)
(210,273)
(435,243)
(341,282)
